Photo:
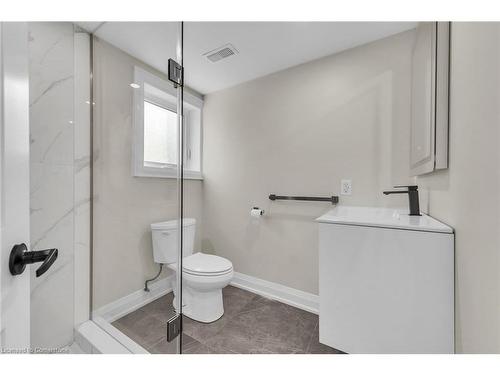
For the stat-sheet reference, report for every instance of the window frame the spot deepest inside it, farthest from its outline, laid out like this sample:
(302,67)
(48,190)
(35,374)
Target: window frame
(161,92)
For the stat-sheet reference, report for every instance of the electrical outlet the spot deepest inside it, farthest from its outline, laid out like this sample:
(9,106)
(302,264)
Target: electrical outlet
(346,187)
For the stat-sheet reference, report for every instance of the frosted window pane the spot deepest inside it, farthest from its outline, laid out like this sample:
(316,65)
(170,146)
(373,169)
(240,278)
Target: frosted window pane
(160,135)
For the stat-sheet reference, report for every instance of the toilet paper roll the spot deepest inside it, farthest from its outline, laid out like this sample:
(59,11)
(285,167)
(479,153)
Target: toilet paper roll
(256,212)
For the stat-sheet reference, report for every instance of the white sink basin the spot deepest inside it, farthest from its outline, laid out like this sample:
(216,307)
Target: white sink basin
(383,217)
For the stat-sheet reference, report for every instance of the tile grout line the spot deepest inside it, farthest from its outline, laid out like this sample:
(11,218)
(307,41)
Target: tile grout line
(308,349)
(229,319)
(243,311)
(137,337)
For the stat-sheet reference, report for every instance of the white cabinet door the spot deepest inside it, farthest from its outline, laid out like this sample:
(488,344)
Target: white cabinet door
(14,184)
(386,291)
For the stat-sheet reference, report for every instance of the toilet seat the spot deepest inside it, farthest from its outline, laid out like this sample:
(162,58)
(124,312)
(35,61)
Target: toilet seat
(200,264)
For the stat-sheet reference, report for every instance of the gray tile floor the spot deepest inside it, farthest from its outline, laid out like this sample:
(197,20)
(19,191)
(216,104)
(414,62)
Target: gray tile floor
(251,324)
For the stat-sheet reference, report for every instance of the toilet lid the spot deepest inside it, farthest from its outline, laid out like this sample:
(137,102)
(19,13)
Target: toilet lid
(200,263)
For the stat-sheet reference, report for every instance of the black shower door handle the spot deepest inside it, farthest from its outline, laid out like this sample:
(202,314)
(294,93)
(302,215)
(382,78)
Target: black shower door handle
(20,257)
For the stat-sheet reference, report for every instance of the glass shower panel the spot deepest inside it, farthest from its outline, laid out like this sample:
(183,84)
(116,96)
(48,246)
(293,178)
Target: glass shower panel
(269,114)
(136,183)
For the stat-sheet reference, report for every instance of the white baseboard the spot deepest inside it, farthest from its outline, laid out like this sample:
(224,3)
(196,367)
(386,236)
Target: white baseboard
(293,297)
(125,305)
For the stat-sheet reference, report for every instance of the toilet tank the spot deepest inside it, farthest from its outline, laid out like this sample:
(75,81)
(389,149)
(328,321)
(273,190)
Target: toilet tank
(164,235)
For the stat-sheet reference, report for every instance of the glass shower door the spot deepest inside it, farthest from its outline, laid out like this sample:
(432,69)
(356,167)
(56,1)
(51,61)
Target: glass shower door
(137,187)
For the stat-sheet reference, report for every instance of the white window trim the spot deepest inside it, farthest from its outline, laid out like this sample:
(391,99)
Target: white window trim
(142,77)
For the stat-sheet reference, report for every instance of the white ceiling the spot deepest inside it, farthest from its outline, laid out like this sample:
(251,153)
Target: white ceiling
(264,47)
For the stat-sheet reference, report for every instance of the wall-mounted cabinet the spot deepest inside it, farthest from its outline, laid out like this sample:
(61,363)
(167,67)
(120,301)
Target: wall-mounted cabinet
(429,98)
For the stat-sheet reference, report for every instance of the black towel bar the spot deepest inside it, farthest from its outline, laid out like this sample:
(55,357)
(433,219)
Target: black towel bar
(333,199)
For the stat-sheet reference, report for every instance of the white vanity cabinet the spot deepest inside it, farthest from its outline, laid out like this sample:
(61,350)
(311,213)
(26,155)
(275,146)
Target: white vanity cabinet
(386,282)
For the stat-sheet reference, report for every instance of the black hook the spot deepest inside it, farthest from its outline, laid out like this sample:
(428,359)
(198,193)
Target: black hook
(20,257)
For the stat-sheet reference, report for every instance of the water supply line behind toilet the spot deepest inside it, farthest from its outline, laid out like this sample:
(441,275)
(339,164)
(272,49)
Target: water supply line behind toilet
(146,289)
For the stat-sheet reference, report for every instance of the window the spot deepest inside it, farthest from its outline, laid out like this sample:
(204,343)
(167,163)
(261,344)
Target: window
(160,136)
(155,148)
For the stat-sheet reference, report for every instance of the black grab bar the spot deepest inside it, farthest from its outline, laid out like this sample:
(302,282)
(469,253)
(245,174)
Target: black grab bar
(333,199)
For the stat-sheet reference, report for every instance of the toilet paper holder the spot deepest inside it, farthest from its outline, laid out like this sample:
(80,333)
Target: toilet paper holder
(256,211)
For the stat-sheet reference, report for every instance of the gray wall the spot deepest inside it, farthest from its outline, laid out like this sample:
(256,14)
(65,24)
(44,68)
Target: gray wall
(467,196)
(125,206)
(300,131)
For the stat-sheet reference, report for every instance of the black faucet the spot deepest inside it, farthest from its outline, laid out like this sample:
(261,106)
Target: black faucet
(412,195)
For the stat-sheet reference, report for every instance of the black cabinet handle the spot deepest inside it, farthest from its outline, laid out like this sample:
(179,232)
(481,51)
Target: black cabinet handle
(20,257)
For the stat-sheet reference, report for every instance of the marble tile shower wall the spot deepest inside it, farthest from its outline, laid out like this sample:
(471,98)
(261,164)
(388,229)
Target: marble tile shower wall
(53,165)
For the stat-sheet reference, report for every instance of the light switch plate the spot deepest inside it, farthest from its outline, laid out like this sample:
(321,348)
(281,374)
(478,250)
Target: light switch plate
(345,187)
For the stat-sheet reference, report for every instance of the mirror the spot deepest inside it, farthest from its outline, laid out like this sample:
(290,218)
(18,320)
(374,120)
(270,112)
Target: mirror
(429,98)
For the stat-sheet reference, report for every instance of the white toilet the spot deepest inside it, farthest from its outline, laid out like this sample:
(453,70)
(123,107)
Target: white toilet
(203,275)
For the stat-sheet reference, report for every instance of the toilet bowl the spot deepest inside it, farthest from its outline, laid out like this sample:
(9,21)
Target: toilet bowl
(203,275)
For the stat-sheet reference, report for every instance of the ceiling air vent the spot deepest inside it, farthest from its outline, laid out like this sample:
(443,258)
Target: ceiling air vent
(221,53)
